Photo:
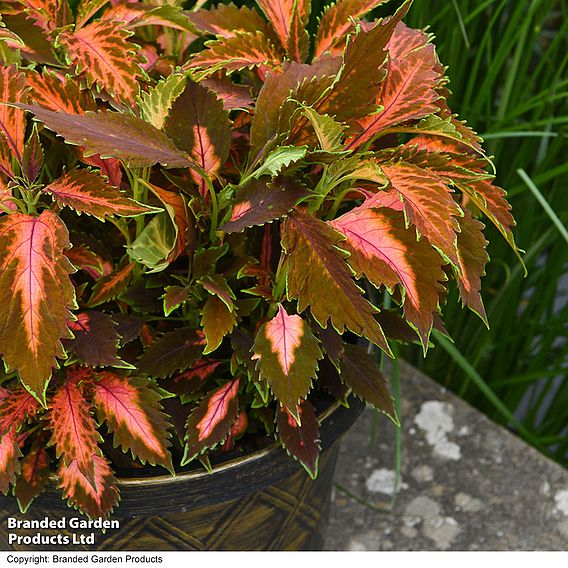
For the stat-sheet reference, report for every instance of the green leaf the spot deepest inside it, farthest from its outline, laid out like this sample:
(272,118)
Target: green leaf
(156,103)
(279,159)
(155,243)
(329,131)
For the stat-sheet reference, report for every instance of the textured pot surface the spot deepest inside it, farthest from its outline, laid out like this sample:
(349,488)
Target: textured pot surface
(264,501)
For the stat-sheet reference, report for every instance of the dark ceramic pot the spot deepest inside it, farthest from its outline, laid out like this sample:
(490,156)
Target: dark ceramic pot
(264,501)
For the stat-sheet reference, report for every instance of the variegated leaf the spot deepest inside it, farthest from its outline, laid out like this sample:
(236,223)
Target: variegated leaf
(132,412)
(112,285)
(174,297)
(336,22)
(102,51)
(232,96)
(12,123)
(289,18)
(427,203)
(388,254)
(210,423)
(175,351)
(243,50)
(354,93)
(409,91)
(287,356)
(116,135)
(226,20)
(319,277)
(16,407)
(156,103)
(199,125)
(74,431)
(33,477)
(56,93)
(88,192)
(261,201)
(37,294)
(95,500)
(301,439)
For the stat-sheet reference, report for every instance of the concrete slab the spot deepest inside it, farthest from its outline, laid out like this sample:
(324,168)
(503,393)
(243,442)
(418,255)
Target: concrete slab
(467,483)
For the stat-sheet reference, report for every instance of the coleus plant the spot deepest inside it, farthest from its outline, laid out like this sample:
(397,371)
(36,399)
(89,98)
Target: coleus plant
(200,210)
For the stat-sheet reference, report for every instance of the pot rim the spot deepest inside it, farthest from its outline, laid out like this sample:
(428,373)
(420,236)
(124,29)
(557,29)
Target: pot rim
(223,467)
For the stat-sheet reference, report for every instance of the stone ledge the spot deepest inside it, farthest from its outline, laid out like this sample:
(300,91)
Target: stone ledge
(467,483)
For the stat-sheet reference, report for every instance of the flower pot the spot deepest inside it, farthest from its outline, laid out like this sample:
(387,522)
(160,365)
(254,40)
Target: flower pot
(264,501)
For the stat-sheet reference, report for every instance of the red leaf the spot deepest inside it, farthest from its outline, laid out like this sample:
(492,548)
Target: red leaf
(38,295)
(360,372)
(114,134)
(88,192)
(225,20)
(174,297)
(389,255)
(102,51)
(231,95)
(262,201)
(287,356)
(319,277)
(210,423)
(96,340)
(85,259)
(190,381)
(109,287)
(74,432)
(132,411)
(17,406)
(175,351)
(336,22)
(33,477)
(301,440)
(95,500)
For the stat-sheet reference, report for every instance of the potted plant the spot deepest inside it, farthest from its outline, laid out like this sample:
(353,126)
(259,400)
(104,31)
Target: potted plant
(192,236)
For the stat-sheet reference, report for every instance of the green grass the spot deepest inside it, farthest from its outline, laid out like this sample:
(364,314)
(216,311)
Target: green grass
(508,66)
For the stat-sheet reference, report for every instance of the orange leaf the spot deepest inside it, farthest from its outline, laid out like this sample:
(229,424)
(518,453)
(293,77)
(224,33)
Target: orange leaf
(102,51)
(95,500)
(133,413)
(37,294)
(74,431)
